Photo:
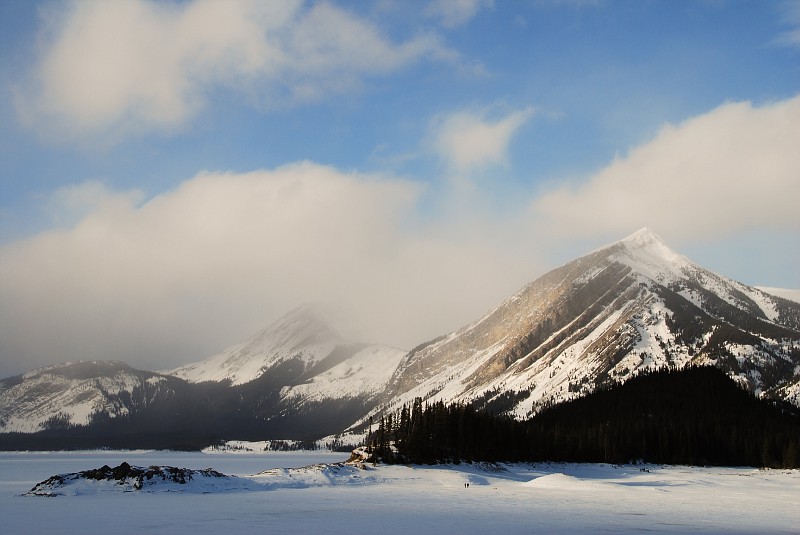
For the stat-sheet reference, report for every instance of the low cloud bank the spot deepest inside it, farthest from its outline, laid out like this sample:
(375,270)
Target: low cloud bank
(172,279)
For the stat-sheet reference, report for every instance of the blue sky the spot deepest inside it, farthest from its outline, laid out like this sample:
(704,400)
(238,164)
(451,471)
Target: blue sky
(173,176)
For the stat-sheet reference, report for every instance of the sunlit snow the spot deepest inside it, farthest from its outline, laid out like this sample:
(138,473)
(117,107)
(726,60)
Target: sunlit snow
(293,493)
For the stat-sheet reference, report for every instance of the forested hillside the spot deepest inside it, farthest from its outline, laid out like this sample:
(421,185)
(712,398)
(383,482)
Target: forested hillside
(694,416)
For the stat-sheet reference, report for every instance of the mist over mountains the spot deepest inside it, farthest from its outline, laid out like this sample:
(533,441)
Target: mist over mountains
(630,307)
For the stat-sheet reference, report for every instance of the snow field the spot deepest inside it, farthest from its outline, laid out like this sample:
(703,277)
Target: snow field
(366,372)
(290,498)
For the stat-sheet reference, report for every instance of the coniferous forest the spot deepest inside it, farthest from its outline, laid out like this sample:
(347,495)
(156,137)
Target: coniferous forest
(696,416)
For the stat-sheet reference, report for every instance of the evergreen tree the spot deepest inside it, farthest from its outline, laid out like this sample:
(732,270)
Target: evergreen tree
(692,416)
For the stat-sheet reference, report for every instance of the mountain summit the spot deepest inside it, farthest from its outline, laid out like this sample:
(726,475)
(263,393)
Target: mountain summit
(646,253)
(632,305)
(303,335)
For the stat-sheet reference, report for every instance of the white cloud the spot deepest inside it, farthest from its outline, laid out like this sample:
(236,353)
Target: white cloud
(331,49)
(469,140)
(196,269)
(70,204)
(454,13)
(187,273)
(791,18)
(142,65)
(730,170)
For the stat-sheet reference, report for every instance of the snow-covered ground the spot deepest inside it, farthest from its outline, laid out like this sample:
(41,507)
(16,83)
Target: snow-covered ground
(285,498)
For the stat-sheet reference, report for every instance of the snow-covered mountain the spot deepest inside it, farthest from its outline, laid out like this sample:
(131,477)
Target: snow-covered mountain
(294,371)
(307,356)
(631,305)
(302,335)
(75,393)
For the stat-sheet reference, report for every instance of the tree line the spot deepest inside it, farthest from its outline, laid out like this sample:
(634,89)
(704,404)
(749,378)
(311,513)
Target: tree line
(696,416)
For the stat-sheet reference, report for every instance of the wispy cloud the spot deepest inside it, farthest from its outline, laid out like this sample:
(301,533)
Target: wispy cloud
(471,140)
(791,19)
(454,13)
(138,65)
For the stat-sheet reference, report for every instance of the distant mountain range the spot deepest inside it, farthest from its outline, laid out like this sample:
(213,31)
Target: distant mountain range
(633,305)
(297,378)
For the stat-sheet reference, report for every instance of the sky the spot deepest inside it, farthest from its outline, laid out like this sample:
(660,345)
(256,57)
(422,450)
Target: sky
(175,176)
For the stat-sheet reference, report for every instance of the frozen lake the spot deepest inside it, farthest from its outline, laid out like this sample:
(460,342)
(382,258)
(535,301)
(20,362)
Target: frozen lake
(541,498)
